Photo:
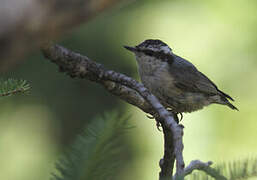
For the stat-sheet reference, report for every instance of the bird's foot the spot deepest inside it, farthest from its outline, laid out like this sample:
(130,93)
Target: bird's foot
(181,116)
(156,117)
(150,116)
(158,125)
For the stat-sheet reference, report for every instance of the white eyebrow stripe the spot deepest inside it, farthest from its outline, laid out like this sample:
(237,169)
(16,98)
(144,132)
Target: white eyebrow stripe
(166,49)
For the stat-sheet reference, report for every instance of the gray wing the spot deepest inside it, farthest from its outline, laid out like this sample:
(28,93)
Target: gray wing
(189,79)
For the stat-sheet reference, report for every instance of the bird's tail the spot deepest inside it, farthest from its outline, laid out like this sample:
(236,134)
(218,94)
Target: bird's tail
(226,95)
(222,99)
(231,106)
(226,102)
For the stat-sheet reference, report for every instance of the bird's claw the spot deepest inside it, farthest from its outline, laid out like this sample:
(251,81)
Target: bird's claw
(181,116)
(158,125)
(150,117)
(155,116)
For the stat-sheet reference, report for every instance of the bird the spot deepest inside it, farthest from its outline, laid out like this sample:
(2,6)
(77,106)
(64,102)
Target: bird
(176,82)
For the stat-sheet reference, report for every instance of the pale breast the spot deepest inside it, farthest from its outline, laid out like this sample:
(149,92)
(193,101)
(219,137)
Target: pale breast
(159,82)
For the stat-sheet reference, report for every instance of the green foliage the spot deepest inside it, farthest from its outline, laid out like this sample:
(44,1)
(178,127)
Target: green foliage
(13,86)
(96,154)
(237,170)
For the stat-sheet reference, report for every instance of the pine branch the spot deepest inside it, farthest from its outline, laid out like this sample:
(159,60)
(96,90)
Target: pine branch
(96,153)
(13,86)
(241,169)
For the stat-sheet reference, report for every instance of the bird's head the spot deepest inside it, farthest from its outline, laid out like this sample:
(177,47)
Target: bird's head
(152,48)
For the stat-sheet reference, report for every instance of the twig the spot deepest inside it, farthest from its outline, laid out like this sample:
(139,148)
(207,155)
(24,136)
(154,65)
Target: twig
(198,165)
(15,91)
(77,65)
(13,86)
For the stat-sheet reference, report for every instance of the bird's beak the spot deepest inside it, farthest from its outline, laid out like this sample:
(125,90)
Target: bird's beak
(132,49)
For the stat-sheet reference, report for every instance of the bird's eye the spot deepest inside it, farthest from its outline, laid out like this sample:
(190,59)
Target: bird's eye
(149,52)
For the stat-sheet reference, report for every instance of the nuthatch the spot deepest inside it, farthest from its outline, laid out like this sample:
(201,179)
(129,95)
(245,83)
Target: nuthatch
(173,80)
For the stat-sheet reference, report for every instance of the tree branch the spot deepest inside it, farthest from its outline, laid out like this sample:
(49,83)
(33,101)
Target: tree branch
(76,65)
(198,165)
(167,162)
(133,92)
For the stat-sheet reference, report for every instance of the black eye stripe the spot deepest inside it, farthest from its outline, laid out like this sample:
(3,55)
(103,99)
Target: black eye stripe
(159,55)
(149,52)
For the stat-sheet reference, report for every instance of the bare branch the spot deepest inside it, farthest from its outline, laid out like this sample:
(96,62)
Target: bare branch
(198,165)
(167,162)
(76,65)
(80,66)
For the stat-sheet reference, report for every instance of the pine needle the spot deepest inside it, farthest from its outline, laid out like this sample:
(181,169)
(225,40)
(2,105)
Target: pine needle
(95,155)
(13,86)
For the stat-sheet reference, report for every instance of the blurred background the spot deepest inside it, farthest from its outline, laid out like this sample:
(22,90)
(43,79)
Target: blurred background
(218,37)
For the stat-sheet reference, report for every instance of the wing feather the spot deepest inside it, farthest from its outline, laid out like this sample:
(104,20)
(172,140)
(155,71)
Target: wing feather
(188,78)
